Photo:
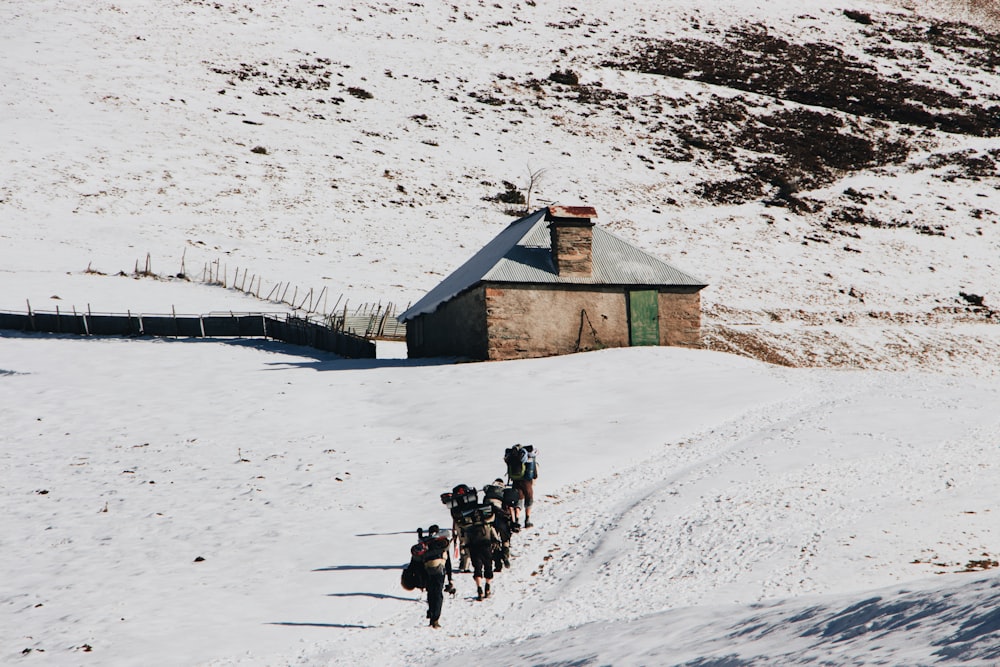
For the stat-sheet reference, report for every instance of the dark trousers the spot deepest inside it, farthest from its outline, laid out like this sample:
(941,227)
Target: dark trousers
(482,559)
(435,595)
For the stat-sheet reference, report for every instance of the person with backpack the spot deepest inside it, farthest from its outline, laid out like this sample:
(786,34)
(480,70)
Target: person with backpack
(461,501)
(431,554)
(481,538)
(522,477)
(497,494)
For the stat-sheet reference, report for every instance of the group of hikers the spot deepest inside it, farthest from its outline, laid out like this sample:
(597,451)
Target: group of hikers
(480,534)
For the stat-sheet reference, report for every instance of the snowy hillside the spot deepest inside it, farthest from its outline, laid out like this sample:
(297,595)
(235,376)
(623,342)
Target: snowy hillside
(829,168)
(826,168)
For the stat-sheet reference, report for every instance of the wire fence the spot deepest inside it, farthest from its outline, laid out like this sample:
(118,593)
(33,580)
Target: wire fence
(278,326)
(368,320)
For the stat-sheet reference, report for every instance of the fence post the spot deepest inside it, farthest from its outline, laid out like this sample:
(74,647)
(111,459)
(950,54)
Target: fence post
(381,324)
(86,329)
(322,295)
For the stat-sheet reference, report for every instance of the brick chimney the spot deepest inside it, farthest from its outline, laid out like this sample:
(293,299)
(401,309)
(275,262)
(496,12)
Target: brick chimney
(571,233)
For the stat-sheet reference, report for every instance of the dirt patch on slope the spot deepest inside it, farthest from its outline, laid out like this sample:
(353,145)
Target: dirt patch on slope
(957,340)
(751,59)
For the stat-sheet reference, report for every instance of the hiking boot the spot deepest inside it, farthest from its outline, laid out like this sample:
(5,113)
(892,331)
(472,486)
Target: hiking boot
(506,562)
(487,590)
(435,624)
(479,592)
(528,524)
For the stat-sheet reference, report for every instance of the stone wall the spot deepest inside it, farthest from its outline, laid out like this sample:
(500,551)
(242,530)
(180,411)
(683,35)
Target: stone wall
(680,319)
(545,321)
(542,321)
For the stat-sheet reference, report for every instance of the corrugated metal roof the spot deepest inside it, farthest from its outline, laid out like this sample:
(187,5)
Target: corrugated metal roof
(521,253)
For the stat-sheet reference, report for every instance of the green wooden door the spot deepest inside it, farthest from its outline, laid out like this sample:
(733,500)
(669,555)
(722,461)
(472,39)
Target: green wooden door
(643,318)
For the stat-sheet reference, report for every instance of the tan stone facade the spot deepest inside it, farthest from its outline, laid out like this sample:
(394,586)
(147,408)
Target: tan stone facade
(680,319)
(545,321)
(498,322)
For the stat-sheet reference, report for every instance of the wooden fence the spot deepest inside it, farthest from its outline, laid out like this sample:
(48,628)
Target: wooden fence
(370,321)
(283,327)
(367,320)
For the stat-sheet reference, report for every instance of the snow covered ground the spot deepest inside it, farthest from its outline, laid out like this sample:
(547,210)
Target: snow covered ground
(695,482)
(242,502)
(679,501)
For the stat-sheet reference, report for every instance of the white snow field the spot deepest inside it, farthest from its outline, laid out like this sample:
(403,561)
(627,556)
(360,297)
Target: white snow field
(814,487)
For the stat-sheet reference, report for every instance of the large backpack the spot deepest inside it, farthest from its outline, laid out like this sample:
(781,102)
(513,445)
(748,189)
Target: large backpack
(481,522)
(431,552)
(494,491)
(504,495)
(514,457)
(530,465)
(414,576)
(478,533)
(437,547)
(463,497)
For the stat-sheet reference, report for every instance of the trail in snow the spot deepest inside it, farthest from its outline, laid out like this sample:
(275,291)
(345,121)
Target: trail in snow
(735,515)
(747,521)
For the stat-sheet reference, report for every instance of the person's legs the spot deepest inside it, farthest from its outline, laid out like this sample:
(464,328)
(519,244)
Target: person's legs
(482,563)
(477,568)
(463,550)
(435,597)
(527,490)
(487,567)
(463,561)
(521,497)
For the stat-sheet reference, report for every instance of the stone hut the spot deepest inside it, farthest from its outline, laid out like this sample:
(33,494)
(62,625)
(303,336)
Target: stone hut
(553,283)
